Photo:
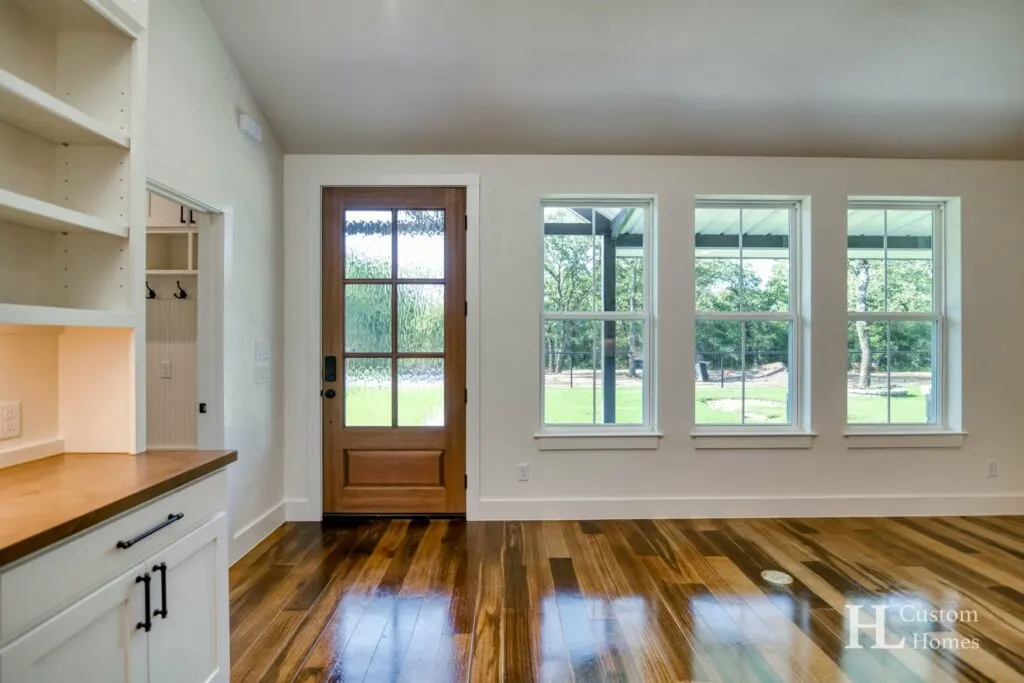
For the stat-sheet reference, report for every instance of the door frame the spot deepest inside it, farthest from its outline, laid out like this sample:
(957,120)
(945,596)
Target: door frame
(304,332)
(215,226)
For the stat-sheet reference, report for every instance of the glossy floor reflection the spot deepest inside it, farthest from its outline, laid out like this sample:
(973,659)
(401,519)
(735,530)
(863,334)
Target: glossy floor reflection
(394,600)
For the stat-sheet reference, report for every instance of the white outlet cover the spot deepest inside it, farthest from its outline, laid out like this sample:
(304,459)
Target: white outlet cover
(10,420)
(262,349)
(165,369)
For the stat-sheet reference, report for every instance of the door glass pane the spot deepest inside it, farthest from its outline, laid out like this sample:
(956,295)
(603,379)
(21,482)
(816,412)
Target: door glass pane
(421,244)
(420,392)
(368,318)
(368,244)
(368,392)
(421,318)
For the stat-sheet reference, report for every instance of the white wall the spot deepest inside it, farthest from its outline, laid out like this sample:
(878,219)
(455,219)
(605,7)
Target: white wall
(195,148)
(29,374)
(676,479)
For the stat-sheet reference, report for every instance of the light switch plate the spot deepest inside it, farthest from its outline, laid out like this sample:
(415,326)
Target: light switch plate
(165,369)
(262,373)
(10,420)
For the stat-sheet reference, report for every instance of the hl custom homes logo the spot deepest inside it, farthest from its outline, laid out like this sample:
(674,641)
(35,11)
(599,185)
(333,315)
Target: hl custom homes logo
(918,624)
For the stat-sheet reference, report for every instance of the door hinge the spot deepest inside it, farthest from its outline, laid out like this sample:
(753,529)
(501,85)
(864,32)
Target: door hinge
(466,396)
(465,222)
(467,308)
(202,407)
(465,481)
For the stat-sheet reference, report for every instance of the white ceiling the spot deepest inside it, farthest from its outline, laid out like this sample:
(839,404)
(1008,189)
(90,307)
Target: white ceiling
(892,78)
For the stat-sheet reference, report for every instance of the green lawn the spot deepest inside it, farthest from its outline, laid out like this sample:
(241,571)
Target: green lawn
(368,406)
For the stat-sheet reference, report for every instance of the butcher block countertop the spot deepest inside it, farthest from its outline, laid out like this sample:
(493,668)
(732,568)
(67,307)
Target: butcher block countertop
(48,500)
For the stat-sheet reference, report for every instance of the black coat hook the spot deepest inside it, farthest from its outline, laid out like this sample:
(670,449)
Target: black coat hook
(181,293)
(150,294)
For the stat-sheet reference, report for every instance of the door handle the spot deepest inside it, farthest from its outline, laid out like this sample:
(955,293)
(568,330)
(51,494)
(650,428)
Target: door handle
(162,568)
(148,623)
(329,393)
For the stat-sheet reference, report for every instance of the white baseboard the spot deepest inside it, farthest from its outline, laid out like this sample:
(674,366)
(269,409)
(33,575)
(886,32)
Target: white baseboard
(249,536)
(31,451)
(700,508)
(301,510)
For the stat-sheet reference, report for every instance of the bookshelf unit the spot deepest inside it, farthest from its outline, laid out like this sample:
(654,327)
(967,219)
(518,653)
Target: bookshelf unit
(73,219)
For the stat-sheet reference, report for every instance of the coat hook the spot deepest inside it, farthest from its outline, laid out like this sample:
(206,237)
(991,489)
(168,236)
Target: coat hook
(181,293)
(150,294)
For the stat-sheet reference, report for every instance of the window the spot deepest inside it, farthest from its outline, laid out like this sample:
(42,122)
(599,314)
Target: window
(597,314)
(747,313)
(894,312)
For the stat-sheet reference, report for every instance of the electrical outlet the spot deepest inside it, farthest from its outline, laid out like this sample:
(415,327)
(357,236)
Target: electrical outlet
(524,472)
(165,369)
(262,373)
(10,420)
(991,469)
(262,349)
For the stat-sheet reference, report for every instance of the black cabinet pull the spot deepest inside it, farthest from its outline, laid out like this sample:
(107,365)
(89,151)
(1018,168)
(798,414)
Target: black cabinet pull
(171,519)
(148,623)
(181,214)
(162,568)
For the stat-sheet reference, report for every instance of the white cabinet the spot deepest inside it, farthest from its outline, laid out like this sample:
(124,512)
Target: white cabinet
(161,617)
(189,644)
(94,640)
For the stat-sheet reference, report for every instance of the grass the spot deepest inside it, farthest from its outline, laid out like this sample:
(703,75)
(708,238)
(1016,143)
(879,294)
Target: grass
(419,405)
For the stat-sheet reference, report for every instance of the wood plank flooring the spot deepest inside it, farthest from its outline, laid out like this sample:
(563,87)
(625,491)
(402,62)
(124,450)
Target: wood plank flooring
(663,600)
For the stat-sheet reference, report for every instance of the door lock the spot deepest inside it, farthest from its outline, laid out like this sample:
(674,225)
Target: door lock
(329,393)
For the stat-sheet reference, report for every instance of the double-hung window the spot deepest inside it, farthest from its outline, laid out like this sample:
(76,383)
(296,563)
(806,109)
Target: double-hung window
(747,313)
(597,316)
(894,297)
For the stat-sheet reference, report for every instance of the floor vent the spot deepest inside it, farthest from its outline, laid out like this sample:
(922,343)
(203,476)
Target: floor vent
(776,577)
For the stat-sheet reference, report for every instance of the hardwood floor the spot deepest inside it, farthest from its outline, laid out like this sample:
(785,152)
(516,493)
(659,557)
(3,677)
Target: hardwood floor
(399,600)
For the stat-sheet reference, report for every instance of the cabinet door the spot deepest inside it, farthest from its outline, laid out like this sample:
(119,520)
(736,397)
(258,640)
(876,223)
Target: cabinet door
(190,644)
(93,641)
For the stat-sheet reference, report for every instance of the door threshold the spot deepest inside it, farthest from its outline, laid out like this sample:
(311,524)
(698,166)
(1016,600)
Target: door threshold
(355,517)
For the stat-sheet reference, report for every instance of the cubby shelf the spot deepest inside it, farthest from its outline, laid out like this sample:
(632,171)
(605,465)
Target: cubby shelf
(21,210)
(25,106)
(87,15)
(15,314)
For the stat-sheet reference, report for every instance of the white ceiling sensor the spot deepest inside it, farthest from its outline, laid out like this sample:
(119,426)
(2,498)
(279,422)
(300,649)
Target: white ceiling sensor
(250,127)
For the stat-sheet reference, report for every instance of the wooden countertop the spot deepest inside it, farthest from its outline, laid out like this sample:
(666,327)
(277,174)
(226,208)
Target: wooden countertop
(45,501)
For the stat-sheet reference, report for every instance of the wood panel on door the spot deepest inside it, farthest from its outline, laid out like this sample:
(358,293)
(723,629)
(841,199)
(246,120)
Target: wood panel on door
(394,345)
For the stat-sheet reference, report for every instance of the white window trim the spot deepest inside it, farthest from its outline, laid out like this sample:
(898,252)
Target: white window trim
(939,434)
(796,434)
(612,436)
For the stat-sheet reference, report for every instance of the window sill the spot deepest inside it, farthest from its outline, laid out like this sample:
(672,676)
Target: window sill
(904,439)
(597,441)
(759,440)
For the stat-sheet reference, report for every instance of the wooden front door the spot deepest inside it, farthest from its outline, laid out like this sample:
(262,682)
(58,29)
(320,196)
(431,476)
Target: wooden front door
(394,345)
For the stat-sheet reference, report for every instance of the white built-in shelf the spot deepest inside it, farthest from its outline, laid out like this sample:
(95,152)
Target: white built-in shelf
(84,15)
(25,106)
(21,210)
(172,272)
(15,314)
